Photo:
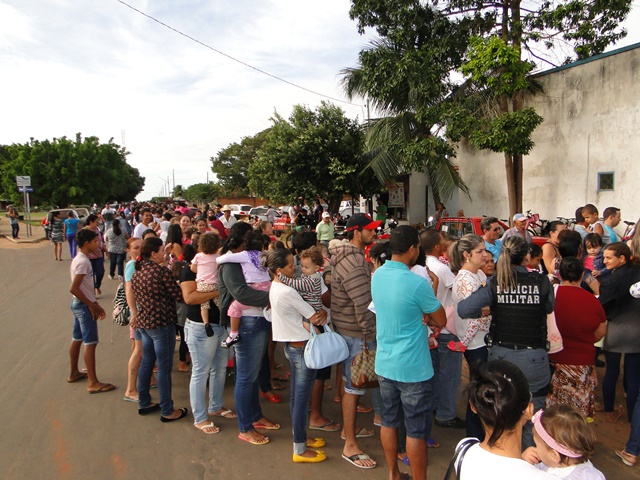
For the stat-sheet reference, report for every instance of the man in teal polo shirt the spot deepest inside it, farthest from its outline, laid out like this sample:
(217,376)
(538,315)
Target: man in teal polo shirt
(405,304)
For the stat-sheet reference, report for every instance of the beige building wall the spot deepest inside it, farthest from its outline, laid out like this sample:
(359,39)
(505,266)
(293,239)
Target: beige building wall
(591,112)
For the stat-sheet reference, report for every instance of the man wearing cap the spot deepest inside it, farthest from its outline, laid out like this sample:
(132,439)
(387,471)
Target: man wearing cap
(350,299)
(519,221)
(227,219)
(325,229)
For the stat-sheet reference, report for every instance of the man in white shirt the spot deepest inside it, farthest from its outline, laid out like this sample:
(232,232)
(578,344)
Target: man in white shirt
(448,365)
(147,223)
(519,222)
(108,215)
(227,219)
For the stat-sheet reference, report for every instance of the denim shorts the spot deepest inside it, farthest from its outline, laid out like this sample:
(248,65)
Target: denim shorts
(411,401)
(134,334)
(355,347)
(85,328)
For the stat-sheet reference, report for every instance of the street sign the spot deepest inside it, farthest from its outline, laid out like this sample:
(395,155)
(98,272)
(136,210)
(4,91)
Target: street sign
(26,189)
(23,181)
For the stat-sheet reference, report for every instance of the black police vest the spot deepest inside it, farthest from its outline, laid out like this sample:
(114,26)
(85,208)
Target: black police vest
(518,315)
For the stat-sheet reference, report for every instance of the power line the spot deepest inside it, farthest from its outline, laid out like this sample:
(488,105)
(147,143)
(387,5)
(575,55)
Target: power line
(233,58)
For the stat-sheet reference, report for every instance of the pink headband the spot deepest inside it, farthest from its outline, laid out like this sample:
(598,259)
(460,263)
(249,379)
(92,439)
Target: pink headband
(547,438)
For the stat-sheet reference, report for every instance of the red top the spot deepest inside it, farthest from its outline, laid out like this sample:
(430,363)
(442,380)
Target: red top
(578,316)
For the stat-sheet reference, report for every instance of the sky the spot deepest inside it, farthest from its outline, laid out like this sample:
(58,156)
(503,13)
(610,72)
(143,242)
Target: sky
(103,69)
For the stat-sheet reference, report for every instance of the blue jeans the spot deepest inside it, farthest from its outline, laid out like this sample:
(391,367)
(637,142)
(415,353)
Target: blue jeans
(249,351)
(447,378)
(208,362)
(157,344)
(408,402)
(116,259)
(97,265)
(630,380)
(302,380)
(472,420)
(73,246)
(15,229)
(633,444)
(534,363)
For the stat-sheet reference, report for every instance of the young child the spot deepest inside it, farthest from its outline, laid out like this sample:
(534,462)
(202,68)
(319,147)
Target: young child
(448,241)
(594,258)
(564,443)
(309,285)
(535,252)
(205,266)
(255,275)
(592,217)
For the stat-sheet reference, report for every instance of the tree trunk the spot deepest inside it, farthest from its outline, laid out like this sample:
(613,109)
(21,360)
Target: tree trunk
(511,184)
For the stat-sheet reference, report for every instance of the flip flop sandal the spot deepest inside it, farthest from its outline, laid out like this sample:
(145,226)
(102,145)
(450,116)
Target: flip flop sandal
(254,441)
(362,433)
(81,376)
(405,460)
(210,426)
(273,426)
(107,387)
(431,443)
(359,456)
(330,426)
(364,409)
(224,414)
(130,399)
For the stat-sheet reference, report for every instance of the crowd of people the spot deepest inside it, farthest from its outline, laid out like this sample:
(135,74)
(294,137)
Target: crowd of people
(525,319)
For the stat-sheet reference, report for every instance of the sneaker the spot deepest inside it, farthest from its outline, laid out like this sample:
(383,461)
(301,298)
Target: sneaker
(455,422)
(230,341)
(209,329)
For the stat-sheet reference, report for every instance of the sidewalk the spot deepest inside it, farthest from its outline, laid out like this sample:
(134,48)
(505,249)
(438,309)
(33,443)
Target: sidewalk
(37,233)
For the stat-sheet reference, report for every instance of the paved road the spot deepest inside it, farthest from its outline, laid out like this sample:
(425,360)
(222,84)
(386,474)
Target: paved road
(55,430)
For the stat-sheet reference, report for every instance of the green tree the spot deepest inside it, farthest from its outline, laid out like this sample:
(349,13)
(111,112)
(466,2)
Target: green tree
(314,152)
(178,191)
(231,165)
(65,172)
(201,192)
(492,44)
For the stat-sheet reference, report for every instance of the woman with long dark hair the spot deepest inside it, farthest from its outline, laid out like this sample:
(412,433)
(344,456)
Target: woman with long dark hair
(519,302)
(175,240)
(292,318)
(116,241)
(97,256)
(254,329)
(156,293)
(500,394)
(623,330)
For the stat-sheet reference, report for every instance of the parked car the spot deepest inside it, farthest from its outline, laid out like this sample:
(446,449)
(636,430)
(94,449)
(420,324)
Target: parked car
(459,226)
(260,213)
(80,213)
(347,211)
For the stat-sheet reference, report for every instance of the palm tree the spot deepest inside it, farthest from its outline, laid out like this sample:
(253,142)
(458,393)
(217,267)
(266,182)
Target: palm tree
(410,94)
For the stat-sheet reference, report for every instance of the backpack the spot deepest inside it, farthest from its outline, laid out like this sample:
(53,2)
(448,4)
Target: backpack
(121,311)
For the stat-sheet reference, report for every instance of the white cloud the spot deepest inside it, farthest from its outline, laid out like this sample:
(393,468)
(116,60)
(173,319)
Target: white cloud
(100,68)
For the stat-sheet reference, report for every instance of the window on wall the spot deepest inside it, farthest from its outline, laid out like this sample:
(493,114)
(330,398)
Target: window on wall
(605,181)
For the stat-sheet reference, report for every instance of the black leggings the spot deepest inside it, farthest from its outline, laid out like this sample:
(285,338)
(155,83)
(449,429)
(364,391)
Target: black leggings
(184,349)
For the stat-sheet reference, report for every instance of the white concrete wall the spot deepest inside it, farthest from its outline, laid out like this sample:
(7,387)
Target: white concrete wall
(591,117)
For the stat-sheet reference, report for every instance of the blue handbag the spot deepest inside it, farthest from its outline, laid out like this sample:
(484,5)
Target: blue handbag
(325,349)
